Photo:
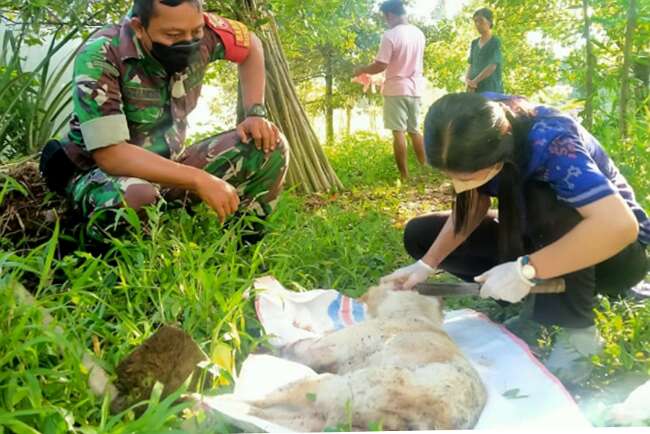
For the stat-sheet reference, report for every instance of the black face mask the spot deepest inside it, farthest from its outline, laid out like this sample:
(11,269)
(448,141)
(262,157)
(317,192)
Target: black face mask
(176,57)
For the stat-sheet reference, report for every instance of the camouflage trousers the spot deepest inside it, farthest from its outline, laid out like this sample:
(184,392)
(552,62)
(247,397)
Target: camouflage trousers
(258,178)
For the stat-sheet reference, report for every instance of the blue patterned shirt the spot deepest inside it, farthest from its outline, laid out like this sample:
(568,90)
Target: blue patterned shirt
(573,162)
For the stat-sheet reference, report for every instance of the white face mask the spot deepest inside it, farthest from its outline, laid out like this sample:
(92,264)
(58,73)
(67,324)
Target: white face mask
(462,186)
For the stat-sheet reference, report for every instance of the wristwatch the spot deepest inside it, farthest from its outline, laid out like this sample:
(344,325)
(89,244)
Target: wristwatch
(527,269)
(257,110)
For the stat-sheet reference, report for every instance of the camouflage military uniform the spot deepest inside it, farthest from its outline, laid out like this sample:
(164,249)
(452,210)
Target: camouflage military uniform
(122,94)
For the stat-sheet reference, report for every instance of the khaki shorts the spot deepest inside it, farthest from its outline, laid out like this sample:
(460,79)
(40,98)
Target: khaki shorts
(401,113)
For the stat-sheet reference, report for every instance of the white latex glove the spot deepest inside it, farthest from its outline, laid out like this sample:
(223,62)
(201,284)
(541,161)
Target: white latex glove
(505,282)
(407,277)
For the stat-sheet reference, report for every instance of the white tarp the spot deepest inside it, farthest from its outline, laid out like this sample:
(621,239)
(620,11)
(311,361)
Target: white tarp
(522,394)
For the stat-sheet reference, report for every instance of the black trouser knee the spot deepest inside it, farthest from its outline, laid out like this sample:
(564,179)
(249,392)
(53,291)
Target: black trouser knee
(548,220)
(475,256)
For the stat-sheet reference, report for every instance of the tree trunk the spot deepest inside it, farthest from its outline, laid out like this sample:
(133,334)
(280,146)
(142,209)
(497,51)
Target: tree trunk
(348,120)
(641,70)
(309,171)
(588,114)
(627,60)
(372,112)
(329,96)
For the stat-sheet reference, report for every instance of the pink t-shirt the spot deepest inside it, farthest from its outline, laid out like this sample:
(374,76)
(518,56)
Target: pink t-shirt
(402,48)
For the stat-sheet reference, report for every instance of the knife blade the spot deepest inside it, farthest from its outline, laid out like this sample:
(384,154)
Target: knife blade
(551,286)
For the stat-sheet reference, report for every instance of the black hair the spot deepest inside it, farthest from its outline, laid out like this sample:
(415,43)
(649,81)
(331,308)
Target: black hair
(395,7)
(485,13)
(466,133)
(145,9)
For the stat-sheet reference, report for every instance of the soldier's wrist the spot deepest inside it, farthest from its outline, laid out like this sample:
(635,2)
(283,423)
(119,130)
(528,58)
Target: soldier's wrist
(196,178)
(257,111)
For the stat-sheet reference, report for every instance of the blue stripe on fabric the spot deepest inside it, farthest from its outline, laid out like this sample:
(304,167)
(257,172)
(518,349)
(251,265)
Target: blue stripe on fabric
(334,312)
(357,311)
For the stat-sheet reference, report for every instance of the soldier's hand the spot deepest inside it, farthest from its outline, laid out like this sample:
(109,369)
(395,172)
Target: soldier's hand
(265,134)
(218,195)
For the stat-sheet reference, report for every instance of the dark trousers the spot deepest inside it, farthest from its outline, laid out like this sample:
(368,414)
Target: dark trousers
(547,220)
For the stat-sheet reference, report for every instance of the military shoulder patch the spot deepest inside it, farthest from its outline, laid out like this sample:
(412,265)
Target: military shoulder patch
(235,36)
(237,29)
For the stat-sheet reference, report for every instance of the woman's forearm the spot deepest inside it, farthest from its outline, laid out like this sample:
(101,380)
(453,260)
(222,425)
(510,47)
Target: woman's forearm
(487,71)
(607,228)
(448,241)
(445,243)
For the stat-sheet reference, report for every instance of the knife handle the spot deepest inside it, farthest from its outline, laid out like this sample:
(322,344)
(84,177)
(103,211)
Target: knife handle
(550,286)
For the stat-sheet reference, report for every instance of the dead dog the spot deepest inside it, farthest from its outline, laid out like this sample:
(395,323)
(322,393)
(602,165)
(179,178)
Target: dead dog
(398,368)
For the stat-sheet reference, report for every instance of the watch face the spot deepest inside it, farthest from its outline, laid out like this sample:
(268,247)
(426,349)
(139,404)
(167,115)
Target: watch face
(528,271)
(257,110)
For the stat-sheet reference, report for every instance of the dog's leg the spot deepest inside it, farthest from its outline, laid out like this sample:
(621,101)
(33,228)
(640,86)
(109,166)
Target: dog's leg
(305,405)
(340,351)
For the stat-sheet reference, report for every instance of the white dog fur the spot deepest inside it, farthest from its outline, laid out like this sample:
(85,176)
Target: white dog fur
(398,368)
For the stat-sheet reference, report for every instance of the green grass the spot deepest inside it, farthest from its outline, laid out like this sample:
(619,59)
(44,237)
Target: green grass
(180,269)
(187,270)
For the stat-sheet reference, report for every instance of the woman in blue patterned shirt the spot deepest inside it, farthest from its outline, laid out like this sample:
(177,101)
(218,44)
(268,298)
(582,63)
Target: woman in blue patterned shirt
(564,210)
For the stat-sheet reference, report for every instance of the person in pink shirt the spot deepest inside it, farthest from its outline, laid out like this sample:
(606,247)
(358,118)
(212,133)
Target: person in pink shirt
(401,55)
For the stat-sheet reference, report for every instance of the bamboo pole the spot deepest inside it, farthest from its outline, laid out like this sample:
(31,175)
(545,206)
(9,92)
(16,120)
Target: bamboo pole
(309,170)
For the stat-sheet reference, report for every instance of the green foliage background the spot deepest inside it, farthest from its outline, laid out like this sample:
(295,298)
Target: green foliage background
(185,269)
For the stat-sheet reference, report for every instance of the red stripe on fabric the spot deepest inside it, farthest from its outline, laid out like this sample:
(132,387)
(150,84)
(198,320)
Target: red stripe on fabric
(346,312)
(530,355)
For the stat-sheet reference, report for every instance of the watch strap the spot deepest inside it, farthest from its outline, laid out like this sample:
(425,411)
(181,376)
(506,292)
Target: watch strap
(523,261)
(257,110)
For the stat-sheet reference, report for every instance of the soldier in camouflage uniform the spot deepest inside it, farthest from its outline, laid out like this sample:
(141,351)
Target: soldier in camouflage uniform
(134,85)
